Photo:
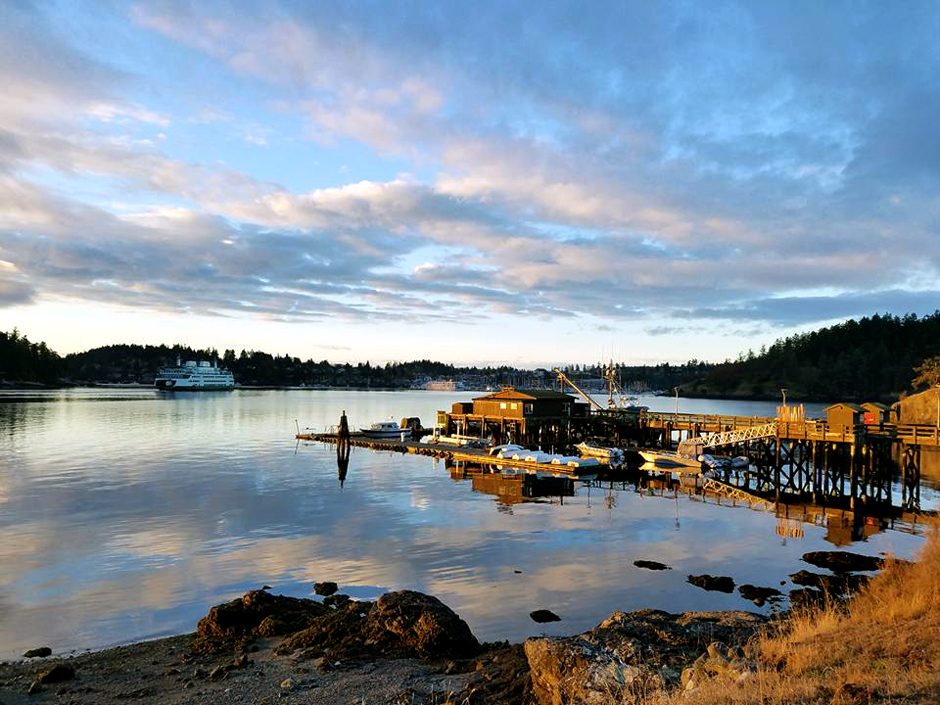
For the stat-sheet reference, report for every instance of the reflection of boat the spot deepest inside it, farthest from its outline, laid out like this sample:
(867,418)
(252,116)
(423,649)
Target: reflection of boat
(669,459)
(383,429)
(194,376)
(720,462)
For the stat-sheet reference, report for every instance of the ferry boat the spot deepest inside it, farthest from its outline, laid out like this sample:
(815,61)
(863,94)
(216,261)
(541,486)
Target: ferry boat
(194,376)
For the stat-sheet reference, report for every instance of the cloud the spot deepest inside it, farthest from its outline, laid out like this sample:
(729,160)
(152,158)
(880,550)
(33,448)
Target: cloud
(554,163)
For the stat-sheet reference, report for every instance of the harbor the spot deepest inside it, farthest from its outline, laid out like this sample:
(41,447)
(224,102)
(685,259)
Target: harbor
(855,456)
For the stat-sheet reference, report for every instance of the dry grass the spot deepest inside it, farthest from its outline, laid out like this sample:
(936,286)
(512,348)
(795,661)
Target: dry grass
(884,647)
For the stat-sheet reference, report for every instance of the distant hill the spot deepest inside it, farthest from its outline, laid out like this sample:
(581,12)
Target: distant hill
(869,359)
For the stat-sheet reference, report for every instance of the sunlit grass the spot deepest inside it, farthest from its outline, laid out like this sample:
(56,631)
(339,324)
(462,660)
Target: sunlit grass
(884,647)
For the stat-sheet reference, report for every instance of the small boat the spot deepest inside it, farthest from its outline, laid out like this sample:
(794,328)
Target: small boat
(505,450)
(612,456)
(669,459)
(383,429)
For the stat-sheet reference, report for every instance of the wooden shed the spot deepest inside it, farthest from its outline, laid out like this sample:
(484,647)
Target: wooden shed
(875,413)
(528,416)
(844,414)
(527,403)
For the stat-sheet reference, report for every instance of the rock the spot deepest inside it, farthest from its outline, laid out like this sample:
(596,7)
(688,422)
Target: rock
(287,684)
(241,661)
(543,616)
(414,623)
(402,624)
(758,595)
(719,662)
(712,582)
(573,670)
(257,613)
(843,561)
(338,600)
(651,565)
(34,688)
(199,673)
(41,652)
(57,674)
(839,586)
(325,588)
(217,673)
(807,598)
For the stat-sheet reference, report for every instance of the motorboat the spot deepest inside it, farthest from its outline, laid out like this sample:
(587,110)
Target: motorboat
(611,456)
(384,429)
(669,459)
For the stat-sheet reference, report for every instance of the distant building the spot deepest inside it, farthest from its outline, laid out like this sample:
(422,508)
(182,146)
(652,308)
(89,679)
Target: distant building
(441,385)
(844,414)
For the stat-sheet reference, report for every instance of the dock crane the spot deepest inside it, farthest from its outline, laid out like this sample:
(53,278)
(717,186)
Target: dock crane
(564,379)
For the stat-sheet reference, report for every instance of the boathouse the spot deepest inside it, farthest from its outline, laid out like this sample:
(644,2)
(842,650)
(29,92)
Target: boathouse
(527,416)
(844,414)
(875,413)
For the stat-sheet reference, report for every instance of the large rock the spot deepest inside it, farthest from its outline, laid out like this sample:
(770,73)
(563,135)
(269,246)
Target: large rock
(572,670)
(629,654)
(256,613)
(399,624)
(843,561)
(411,622)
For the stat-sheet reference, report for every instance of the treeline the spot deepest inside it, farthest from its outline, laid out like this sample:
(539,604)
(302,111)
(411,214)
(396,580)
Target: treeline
(869,359)
(23,361)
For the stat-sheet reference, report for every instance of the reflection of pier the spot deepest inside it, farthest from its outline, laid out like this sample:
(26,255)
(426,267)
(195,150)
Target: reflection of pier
(513,487)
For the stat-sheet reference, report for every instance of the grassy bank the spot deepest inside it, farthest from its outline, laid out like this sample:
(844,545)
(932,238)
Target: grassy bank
(884,647)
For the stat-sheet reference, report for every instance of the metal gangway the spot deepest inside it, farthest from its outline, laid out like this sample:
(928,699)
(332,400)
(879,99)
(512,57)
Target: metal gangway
(738,435)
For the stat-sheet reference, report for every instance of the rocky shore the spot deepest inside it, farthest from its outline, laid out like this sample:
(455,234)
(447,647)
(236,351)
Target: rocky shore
(404,648)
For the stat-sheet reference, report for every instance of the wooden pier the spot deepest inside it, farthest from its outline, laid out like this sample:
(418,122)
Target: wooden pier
(792,459)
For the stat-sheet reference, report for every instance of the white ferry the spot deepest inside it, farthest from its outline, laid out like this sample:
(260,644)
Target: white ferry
(194,376)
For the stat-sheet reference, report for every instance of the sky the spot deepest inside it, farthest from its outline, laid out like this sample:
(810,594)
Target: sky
(505,182)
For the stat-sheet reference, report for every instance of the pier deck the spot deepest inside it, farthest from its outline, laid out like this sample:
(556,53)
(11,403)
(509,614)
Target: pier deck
(456,453)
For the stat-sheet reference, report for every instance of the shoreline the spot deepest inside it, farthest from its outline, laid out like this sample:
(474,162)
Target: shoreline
(407,647)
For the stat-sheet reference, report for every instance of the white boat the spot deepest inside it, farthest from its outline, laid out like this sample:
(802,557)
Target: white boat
(194,376)
(612,456)
(669,459)
(384,429)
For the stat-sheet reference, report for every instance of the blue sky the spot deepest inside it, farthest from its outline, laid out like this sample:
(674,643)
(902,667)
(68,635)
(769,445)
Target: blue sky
(509,182)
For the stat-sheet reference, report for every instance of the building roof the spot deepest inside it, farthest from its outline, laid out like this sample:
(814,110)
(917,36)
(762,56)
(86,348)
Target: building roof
(845,404)
(526,394)
(875,405)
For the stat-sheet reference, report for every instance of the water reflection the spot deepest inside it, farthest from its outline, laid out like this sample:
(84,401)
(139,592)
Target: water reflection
(124,516)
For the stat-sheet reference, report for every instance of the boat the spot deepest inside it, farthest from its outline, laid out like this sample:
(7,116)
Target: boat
(194,376)
(611,456)
(669,459)
(384,429)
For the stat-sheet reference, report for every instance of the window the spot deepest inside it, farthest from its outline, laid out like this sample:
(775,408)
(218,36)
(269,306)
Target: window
(502,405)
(513,405)
(529,408)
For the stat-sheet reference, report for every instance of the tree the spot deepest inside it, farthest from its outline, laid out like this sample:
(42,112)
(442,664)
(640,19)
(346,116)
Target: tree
(928,373)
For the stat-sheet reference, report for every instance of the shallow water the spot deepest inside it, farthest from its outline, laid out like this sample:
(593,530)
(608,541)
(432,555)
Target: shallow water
(125,514)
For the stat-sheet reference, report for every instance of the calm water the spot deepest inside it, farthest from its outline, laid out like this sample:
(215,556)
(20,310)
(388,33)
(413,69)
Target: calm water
(126,514)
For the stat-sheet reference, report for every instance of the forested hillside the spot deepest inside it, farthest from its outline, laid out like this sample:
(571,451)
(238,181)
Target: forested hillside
(23,361)
(866,360)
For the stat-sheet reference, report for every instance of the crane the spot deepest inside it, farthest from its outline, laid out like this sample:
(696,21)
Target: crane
(564,379)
